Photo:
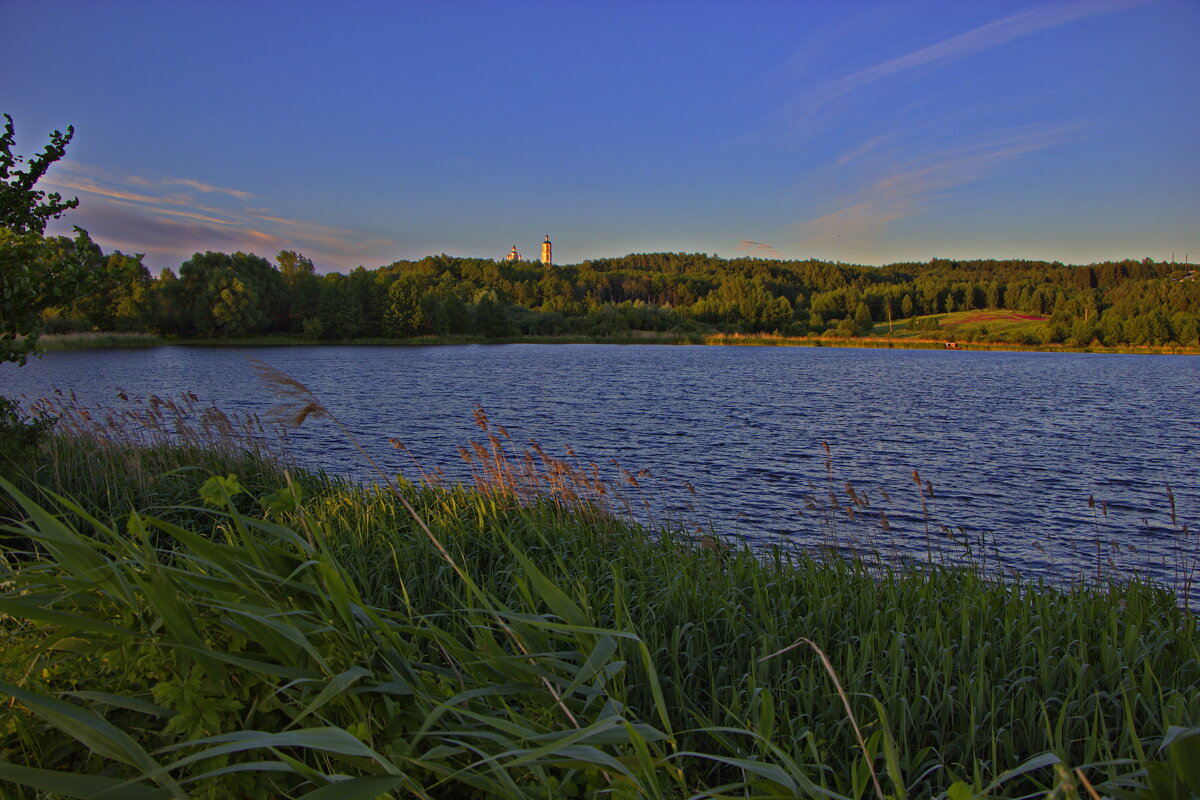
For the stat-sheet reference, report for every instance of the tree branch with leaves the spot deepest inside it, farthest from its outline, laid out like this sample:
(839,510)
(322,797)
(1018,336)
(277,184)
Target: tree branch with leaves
(35,272)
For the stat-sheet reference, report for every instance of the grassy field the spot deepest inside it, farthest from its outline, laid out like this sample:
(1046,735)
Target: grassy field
(199,622)
(1012,326)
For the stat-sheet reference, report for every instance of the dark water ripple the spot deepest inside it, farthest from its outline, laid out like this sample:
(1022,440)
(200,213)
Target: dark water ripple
(1013,443)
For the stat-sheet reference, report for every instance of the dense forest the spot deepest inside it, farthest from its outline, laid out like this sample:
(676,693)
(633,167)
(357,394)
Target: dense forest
(222,295)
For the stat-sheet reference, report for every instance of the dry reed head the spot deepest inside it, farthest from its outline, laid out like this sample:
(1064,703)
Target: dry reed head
(298,402)
(533,475)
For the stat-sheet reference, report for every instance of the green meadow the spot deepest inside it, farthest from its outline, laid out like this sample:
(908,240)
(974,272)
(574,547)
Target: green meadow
(998,324)
(187,615)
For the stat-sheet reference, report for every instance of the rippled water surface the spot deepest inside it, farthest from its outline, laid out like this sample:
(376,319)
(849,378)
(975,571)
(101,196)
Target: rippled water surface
(1013,443)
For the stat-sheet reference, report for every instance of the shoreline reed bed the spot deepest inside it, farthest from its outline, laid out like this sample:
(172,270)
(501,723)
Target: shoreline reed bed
(95,340)
(90,340)
(290,634)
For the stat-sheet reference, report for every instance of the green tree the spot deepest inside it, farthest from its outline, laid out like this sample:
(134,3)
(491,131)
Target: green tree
(862,318)
(335,314)
(119,299)
(1082,333)
(368,293)
(167,311)
(405,310)
(303,288)
(490,319)
(1187,328)
(35,274)
(231,295)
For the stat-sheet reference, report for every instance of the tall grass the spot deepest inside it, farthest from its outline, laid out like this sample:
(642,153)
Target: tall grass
(299,636)
(150,452)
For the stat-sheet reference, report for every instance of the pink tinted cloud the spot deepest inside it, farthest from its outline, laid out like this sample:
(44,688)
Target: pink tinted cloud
(168,226)
(205,187)
(758,249)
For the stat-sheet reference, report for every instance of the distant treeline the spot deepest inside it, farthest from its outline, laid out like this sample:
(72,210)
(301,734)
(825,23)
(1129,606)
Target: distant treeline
(222,295)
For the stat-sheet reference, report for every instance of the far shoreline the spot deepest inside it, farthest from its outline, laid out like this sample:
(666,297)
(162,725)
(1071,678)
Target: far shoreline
(109,341)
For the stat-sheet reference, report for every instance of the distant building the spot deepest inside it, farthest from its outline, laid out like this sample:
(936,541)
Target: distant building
(547,258)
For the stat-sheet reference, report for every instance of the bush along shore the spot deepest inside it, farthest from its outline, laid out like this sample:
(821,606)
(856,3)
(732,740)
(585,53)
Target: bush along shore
(183,617)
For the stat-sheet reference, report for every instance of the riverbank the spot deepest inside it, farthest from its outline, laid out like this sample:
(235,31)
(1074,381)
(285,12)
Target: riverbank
(517,639)
(96,340)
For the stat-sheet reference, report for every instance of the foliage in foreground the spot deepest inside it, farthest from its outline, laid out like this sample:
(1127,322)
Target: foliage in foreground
(305,638)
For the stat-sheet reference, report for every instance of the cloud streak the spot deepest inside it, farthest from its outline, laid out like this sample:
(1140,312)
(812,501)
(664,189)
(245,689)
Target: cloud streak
(165,219)
(905,189)
(977,40)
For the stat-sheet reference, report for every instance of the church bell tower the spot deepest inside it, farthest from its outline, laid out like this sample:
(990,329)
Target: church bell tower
(546,252)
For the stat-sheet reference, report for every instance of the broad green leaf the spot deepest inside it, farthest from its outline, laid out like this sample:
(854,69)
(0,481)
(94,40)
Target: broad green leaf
(763,769)
(1037,762)
(337,684)
(327,740)
(90,729)
(363,788)
(22,608)
(70,784)
(119,701)
(959,791)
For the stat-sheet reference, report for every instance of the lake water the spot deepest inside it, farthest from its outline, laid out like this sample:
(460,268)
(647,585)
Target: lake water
(1013,443)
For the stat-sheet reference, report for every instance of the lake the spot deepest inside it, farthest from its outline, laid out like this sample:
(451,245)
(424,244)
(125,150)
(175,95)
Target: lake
(1012,443)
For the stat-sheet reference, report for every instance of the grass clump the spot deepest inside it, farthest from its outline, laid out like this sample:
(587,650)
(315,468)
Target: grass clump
(292,635)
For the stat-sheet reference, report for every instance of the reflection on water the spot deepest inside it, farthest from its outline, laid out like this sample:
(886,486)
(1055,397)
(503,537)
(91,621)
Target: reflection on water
(1012,443)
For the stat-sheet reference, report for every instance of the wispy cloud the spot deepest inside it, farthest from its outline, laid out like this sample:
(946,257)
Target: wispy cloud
(204,187)
(166,219)
(758,249)
(91,187)
(897,191)
(174,212)
(977,40)
(855,153)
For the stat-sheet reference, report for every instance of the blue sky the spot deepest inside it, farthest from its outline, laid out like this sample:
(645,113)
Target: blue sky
(367,132)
